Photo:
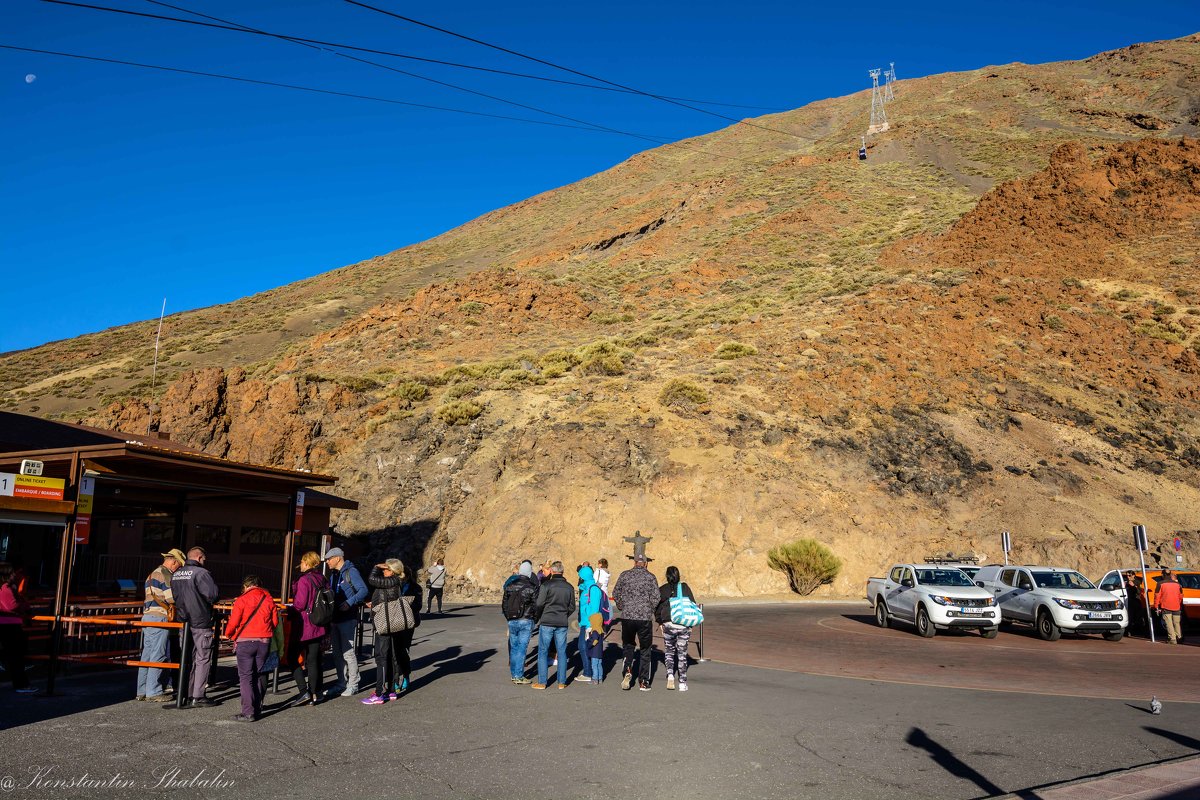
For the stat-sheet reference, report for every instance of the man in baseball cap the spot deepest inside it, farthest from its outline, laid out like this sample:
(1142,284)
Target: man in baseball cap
(349,592)
(159,604)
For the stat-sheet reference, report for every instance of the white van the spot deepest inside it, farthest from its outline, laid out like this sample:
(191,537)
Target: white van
(1053,600)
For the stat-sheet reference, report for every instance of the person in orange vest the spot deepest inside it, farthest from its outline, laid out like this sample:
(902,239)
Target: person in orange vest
(1169,600)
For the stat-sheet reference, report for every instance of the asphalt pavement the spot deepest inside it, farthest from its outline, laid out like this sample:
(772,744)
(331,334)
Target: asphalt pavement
(465,731)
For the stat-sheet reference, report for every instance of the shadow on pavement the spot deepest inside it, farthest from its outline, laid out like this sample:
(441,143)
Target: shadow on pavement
(1178,738)
(950,762)
(453,663)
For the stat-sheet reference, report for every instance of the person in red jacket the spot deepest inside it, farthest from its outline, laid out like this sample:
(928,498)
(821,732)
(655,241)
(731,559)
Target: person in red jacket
(1169,600)
(251,626)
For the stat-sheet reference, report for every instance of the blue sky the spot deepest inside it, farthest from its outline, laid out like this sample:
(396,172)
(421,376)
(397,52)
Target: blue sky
(121,186)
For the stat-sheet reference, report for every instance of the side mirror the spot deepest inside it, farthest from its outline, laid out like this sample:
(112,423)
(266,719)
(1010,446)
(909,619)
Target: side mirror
(907,583)
(979,584)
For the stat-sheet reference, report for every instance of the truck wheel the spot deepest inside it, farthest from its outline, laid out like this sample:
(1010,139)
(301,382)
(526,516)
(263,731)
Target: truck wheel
(924,624)
(1046,628)
(988,633)
(1115,636)
(882,618)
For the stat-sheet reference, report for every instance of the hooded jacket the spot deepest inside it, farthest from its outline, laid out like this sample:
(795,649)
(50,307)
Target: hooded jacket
(195,592)
(589,596)
(556,601)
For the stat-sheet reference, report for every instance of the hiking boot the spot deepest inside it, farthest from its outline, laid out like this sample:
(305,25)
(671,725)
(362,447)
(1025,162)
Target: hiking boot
(670,682)
(683,686)
(537,686)
(643,686)
(627,681)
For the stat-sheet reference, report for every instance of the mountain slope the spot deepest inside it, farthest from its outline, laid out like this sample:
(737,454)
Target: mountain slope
(869,353)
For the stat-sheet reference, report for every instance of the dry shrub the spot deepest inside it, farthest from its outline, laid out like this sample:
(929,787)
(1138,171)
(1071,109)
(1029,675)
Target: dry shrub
(732,350)
(679,393)
(807,564)
(459,412)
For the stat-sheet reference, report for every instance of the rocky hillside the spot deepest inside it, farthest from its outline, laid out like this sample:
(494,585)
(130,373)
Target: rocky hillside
(989,324)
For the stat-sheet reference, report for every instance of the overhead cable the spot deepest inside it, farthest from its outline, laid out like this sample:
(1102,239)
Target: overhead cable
(321,45)
(544,62)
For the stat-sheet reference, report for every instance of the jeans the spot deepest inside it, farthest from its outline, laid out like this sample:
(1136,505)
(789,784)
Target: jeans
(560,647)
(585,663)
(519,631)
(435,591)
(251,681)
(156,643)
(202,651)
(597,669)
(344,656)
(644,633)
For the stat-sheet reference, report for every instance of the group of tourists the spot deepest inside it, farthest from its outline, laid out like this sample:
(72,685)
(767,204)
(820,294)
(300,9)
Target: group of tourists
(544,600)
(323,608)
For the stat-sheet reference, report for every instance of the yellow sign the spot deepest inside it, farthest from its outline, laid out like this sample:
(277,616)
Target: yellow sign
(35,486)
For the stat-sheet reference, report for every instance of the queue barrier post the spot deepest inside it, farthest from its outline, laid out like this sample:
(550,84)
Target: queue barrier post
(700,640)
(185,645)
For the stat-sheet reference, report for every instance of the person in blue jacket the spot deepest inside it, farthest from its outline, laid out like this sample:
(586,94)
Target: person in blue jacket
(589,604)
(349,593)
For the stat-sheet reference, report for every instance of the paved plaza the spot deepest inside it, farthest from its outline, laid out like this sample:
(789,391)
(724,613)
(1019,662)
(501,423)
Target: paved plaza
(743,731)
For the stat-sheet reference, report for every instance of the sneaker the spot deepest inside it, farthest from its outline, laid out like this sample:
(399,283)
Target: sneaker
(583,679)
(203,702)
(627,681)
(139,698)
(670,682)
(373,700)
(562,686)
(522,681)
(350,691)
(683,686)
(393,696)
(159,698)
(300,700)
(554,663)
(404,684)
(643,686)
(335,691)
(537,686)
(242,718)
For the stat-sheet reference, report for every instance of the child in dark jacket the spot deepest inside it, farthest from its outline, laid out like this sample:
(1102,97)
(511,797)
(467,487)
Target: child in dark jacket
(595,646)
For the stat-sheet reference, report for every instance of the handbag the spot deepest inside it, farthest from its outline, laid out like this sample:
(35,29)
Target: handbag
(394,616)
(683,610)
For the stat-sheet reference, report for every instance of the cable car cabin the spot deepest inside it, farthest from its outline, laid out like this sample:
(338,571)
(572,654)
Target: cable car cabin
(862,154)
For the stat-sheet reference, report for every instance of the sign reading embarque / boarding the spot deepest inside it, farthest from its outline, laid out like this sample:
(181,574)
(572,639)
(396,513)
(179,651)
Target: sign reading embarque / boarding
(37,487)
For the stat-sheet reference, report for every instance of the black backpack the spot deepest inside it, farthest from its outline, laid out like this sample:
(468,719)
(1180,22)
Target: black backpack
(321,611)
(513,602)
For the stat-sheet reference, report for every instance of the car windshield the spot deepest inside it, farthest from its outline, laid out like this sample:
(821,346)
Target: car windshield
(1062,580)
(943,577)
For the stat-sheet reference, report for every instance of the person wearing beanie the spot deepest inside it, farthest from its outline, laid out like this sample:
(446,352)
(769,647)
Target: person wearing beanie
(518,604)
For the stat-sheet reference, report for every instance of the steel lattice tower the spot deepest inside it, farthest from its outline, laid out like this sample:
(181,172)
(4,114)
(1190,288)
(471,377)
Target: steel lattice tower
(889,77)
(879,122)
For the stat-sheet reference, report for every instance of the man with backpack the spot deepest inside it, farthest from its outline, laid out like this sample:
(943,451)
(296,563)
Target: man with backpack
(349,593)
(518,604)
(195,591)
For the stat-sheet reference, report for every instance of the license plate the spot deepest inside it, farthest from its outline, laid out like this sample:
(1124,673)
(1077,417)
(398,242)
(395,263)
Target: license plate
(1099,615)
(971,612)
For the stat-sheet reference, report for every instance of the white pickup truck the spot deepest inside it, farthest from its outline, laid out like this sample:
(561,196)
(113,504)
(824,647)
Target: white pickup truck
(932,597)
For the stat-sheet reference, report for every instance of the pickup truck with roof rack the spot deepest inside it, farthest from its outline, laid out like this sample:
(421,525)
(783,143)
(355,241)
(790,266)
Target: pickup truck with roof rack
(932,597)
